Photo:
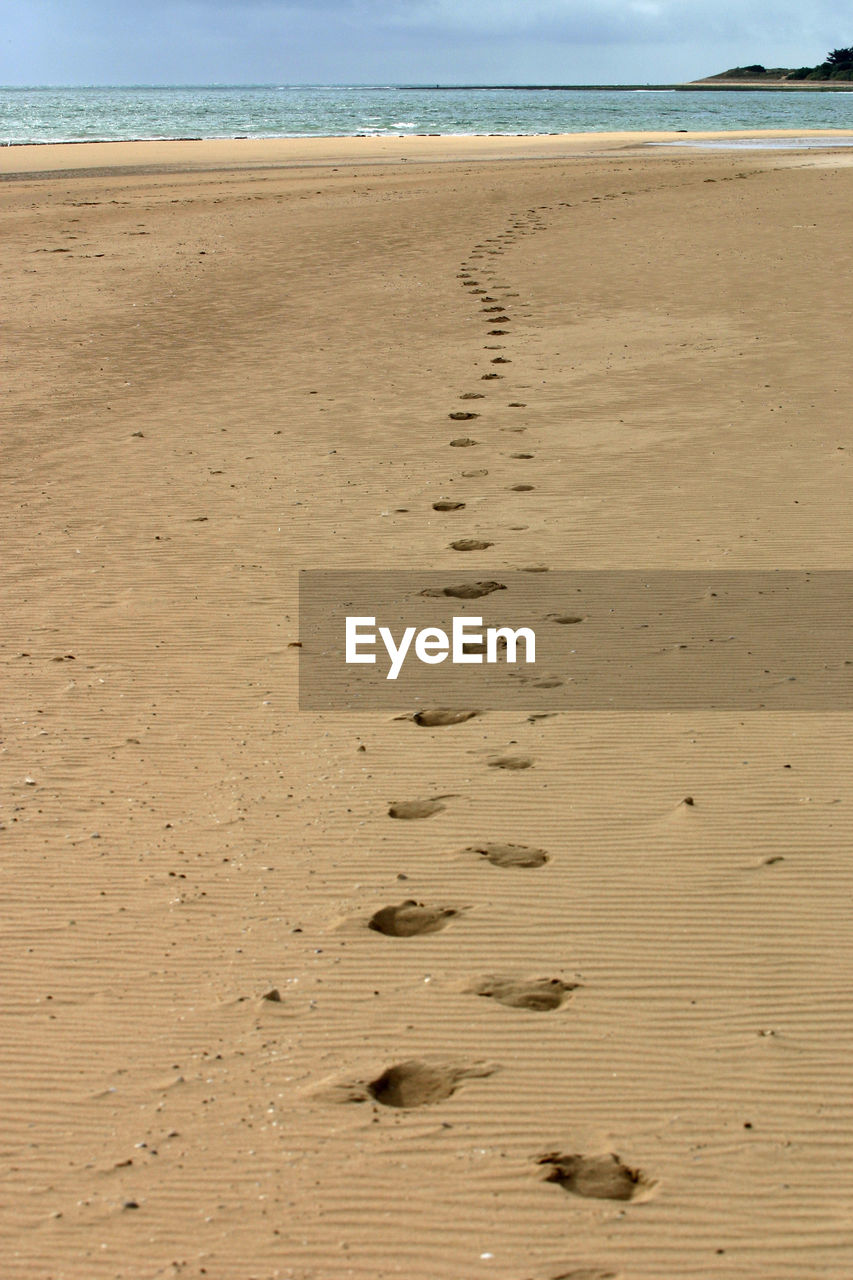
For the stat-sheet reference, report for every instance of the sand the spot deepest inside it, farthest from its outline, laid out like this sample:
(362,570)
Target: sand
(225,362)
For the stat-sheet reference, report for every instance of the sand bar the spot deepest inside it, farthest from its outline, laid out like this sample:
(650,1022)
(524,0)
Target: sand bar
(235,153)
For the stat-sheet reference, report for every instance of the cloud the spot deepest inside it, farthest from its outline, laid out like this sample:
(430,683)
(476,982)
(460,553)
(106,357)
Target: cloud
(240,41)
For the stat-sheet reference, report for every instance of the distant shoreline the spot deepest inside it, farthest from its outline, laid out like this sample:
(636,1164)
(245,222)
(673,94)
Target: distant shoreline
(689,86)
(693,86)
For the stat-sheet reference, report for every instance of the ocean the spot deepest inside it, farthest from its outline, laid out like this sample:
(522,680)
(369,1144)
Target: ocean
(40,114)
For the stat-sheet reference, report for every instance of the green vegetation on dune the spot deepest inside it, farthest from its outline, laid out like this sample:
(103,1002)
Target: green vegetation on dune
(838,65)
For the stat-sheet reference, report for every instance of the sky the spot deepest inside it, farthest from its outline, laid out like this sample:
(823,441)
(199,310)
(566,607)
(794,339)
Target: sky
(75,42)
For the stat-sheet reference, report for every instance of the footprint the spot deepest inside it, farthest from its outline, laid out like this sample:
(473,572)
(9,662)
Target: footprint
(447,504)
(540,995)
(496,332)
(472,395)
(481,646)
(498,319)
(420,1084)
(470,544)
(522,488)
(510,855)
(596,1177)
(522,455)
(462,415)
(409,919)
(468,475)
(465,590)
(586,1273)
(517,404)
(435,716)
(511,762)
(489,377)
(463,442)
(487,310)
(501,360)
(565,619)
(417,808)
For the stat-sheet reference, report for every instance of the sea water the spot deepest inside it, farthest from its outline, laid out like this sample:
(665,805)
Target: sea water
(34,115)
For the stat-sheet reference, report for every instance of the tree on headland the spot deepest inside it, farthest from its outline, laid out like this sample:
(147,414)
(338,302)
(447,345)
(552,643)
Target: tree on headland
(837,65)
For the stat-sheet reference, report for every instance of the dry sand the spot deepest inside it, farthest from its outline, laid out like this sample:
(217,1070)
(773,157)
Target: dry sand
(225,362)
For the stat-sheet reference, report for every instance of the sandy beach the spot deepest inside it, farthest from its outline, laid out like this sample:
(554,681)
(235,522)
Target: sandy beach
(228,361)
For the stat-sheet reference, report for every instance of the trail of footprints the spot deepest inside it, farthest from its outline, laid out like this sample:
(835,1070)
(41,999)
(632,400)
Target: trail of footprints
(415,1083)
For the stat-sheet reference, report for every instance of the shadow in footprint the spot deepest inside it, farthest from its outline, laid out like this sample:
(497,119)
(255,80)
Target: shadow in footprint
(586,1273)
(465,590)
(510,855)
(595,1177)
(470,544)
(540,995)
(420,1084)
(432,717)
(462,415)
(410,919)
(511,762)
(410,809)
(463,442)
(447,504)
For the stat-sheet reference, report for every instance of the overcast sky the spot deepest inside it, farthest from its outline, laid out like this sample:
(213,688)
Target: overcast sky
(408,41)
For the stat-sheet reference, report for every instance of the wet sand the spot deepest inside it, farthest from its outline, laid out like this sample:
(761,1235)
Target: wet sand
(621,1052)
